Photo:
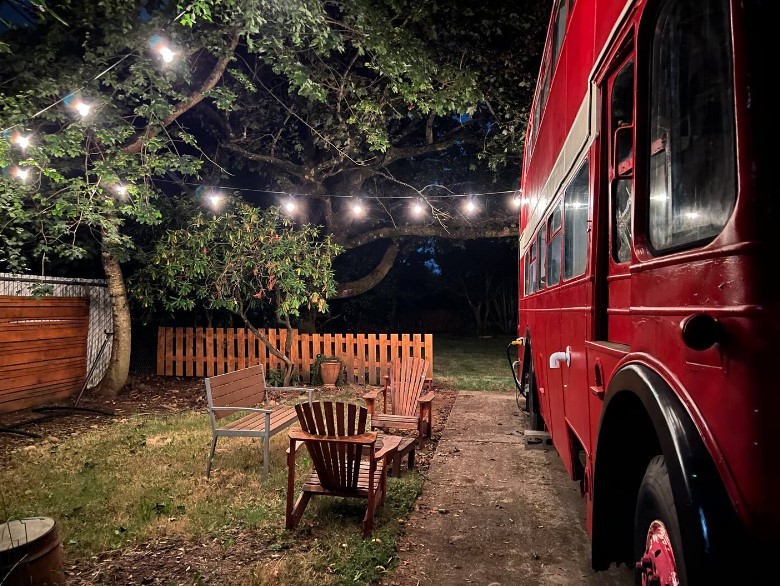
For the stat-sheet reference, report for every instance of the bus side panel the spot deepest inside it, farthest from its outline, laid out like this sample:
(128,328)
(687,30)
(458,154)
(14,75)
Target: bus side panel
(579,55)
(574,332)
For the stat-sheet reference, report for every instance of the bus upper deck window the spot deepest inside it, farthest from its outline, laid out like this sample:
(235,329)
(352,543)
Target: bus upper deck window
(692,174)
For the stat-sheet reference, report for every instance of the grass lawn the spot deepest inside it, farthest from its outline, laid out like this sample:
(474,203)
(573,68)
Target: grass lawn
(472,364)
(140,479)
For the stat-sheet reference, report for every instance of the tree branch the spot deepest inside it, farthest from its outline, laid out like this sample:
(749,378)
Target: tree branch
(372,279)
(453,233)
(194,99)
(286,166)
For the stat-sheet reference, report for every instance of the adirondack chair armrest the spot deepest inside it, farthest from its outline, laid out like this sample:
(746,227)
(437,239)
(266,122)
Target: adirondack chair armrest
(370,399)
(298,445)
(363,439)
(390,444)
(426,398)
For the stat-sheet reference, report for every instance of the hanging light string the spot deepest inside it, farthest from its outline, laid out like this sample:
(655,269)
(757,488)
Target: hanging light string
(95,78)
(156,42)
(337,195)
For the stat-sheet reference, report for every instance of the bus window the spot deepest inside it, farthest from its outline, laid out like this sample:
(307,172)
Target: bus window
(531,265)
(621,134)
(541,245)
(559,28)
(527,272)
(575,224)
(554,247)
(692,153)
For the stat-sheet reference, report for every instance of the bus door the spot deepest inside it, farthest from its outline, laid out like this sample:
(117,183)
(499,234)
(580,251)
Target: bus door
(613,323)
(613,241)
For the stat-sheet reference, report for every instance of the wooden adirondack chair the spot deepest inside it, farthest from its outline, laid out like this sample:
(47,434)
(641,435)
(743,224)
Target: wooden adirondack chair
(335,435)
(408,406)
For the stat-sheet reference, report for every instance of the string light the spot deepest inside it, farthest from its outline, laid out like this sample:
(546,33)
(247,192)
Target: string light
(470,207)
(22,141)
(290,206)
(21,174)
(417,209)
(75,102)
(516,201)
(358,209)
(120,190)
(215,200)
(159,44)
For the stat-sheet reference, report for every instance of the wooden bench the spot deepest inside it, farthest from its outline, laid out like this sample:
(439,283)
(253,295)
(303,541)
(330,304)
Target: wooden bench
(244,390)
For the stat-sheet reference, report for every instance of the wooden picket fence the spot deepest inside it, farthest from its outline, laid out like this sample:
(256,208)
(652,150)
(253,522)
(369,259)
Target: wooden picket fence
(202,352)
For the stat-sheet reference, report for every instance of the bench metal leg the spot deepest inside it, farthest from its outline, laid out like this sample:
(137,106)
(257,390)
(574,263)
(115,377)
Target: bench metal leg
(266,455)
(211,455)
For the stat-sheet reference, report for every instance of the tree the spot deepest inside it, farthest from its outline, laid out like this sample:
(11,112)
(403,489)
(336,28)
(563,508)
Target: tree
(358,98)
(238,260)
(105,115)
(410,96)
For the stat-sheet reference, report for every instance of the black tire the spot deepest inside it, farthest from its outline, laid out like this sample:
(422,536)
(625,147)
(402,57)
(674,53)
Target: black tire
(655,501)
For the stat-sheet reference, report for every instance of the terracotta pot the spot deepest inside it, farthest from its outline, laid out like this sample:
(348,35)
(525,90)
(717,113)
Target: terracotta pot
(329,373)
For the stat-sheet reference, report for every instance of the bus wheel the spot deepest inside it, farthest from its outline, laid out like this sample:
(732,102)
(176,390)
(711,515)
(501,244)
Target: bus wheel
(656,530)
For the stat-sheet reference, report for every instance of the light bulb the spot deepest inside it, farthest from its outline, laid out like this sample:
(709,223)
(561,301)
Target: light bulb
(166,54)
(516,202)
(22,141)
(22,174)
(121,190)
(215,200)
(417,209)
(289,206)
(83,108)
(471,207)
(357,209)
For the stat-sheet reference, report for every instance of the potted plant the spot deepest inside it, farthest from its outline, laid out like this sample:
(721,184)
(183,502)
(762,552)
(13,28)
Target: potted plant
(329,369)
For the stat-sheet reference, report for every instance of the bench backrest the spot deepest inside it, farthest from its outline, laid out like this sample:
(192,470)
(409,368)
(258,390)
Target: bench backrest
(240,388)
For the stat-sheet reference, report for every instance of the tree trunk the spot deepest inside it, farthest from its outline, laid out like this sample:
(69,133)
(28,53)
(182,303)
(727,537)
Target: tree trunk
(119,364)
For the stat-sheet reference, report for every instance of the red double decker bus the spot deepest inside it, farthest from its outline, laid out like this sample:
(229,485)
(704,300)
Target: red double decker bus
(647,313)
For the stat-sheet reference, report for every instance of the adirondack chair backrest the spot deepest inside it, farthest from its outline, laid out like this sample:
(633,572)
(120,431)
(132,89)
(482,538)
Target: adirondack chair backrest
(337,463)
(407,379)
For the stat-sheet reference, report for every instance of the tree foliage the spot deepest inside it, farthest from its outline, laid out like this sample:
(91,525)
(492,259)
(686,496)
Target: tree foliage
(237,260)
(330,101)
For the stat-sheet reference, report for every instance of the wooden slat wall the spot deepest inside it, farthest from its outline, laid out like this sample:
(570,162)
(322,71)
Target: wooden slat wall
(205,351)
(43,349)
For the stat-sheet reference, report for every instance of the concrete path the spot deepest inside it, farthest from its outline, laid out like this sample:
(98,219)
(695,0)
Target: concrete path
(495,513)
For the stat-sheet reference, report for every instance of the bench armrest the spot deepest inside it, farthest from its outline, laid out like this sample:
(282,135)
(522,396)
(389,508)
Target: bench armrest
(253,409)
(426,398)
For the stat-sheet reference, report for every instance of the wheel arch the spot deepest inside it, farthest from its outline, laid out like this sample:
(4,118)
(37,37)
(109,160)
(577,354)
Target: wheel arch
(643,417)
